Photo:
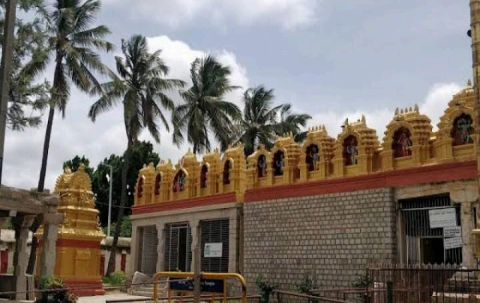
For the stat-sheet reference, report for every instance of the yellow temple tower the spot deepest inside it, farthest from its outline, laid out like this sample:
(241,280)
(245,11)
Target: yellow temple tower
(79,236)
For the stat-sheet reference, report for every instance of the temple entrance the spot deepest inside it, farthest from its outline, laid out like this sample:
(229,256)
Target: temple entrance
(178,252)
(431,230)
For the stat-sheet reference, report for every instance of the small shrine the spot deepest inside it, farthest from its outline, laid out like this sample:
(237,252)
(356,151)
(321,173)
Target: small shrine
(356,149)
(407,139)
(316,155)
(210,170)
(233,177)
(79,235)
(259,168)
(456,136)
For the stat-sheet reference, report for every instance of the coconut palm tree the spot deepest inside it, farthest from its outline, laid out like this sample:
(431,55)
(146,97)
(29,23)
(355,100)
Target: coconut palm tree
(140,88)
(293,123)
(74,42)
(205,109)
(262,121)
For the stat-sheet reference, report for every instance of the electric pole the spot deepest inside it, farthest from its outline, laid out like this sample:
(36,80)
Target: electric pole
(5,68)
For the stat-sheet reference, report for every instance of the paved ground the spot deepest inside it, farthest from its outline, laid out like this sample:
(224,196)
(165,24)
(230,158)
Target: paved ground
(107,297)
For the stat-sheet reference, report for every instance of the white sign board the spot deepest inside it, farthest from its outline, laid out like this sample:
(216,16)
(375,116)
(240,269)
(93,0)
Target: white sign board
(453,242)
(452,232)
(213,250)
(444,217)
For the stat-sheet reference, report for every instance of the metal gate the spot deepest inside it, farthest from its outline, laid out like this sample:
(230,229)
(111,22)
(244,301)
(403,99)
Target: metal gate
(178,247)
(147,248)
(424,244)
(216,231)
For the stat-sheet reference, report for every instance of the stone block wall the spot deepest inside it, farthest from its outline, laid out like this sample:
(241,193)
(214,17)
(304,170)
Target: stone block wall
(332,236)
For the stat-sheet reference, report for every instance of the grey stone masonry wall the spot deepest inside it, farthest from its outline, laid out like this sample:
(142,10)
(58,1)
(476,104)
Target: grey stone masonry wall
(332,236)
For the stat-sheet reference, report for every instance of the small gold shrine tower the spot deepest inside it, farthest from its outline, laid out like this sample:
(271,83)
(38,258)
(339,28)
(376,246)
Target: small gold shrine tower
(79,236)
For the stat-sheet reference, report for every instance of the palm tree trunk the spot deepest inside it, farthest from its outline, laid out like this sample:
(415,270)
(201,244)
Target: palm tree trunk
(51,114)
(46,147)
(121,211)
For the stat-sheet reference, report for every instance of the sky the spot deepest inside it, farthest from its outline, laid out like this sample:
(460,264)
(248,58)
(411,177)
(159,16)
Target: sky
(331,59)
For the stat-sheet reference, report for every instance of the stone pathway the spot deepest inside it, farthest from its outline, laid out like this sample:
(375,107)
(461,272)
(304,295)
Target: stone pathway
(109,296)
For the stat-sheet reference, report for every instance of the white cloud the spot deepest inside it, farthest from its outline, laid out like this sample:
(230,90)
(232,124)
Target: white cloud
(77,135)
(433,106)
(289,14)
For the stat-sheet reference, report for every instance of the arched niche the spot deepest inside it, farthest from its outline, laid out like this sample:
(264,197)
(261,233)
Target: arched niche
(462,130)
(158,184)
(402,142)
(312,157)
(262,166)
(203,176)
(350,150)
(227,169)
(180,181)
(278,163)
(140,188)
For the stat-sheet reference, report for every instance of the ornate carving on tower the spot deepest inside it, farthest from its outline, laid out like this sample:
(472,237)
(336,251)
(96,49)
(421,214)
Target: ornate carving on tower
(316,155)
(79,236)
(144,185)
(456,134)
(355,149)
(233,175)
(165,174)
(210,168)
(285,156)
(187,175)
(407,140)
(259,168)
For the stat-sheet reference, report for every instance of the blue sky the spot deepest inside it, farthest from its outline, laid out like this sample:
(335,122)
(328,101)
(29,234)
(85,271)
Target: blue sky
(332,59)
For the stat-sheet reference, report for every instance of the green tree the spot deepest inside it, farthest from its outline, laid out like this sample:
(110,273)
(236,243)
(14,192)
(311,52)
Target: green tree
(262,121)
(293,123)
(30,57)
(75,163)
(74,42)
(125,228)
(142,153)
(140,88)
(205,109)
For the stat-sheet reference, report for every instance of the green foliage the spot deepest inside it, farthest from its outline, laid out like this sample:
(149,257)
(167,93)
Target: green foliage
(142,153)
(206,111)
(54,291)
(50,282)
(75,163)
(263,284)
(262,121)
(30,57)
(116,278)
(307,285)
(125,228)
(7,225)
(362,280)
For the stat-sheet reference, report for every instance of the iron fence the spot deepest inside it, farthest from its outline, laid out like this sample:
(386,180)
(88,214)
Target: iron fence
(422,284)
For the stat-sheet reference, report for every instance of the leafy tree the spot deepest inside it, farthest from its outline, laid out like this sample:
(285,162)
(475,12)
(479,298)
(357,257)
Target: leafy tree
(75,163)
(140,88)
(125,228)
(142,153)
(205,109)
(262,121)
(30,57)
(74,42)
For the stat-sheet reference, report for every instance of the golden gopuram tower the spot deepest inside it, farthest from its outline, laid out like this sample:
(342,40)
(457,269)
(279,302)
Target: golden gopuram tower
(79,236)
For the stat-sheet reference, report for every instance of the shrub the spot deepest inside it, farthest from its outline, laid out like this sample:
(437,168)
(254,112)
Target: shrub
(53,291)
(306,286)
(116,278)
(265,287)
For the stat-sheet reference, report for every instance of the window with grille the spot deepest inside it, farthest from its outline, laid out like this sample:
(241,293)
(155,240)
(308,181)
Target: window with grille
(215,231)
(423,243)
(147,250)
(178,247)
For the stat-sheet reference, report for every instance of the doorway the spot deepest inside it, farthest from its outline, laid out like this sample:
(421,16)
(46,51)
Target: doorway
(178,253)
(432,250)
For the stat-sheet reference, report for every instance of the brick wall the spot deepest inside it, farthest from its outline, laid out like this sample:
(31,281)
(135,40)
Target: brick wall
(333,236)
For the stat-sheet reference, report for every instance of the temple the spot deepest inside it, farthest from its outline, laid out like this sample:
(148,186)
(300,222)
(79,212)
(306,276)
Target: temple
(331,205)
